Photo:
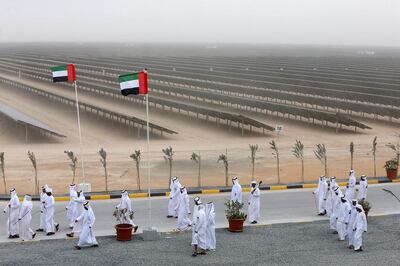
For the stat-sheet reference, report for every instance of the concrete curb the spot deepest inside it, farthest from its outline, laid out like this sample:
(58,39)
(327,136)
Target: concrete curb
(379,180)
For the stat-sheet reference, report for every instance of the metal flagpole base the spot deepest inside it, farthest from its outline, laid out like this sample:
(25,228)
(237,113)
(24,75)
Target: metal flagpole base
(150,234)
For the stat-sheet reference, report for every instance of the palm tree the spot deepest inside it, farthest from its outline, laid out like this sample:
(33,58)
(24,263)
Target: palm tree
(197,159)
(253,151)
(224,159)
(274,147)
(374,144)
(136,156)
(351,155)
(168,157)
(74,161)
(32,157)
(103,161)
(298,152)
(320,153)
(2,166)
(395,148)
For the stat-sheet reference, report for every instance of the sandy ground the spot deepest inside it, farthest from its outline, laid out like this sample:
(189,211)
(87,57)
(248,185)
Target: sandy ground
(194,135)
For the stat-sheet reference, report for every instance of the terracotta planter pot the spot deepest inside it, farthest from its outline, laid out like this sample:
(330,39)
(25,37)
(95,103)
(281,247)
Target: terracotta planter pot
(391,174)
(124,232)
(236,225)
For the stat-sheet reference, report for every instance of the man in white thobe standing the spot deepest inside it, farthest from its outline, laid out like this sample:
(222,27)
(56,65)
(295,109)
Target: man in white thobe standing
(43,195)
(254,203)
(343,218)
(125,207)
(87,237)
(174,198)
(236,193)
(321,193)
(351,187)
(25,218)
(199,237)
(362,191)
(183,210)
(352,220)
(72,205)
(12,209)
(49,206)
(359,228)
(210,216)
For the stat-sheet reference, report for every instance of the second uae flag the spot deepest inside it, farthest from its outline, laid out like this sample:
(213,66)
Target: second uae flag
(133,83)
(63,73)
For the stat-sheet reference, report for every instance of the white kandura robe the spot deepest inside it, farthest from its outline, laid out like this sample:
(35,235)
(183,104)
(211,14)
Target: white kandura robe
(210,233)
(126,204)
(199,237)
(25,214)
(174,198)
(361,226)
(343,219)
(351,190)
(328,202)
(183,211)
(254,204)
(78,212)
(72,205)
(352,220)
(194,218)
(12,210)
(362,191)
(43,197)
(335,210)
(49,211)
(321,193)
(236,193)
(87,237)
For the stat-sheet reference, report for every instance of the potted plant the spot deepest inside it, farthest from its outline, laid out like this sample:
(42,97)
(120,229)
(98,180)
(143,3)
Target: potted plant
(124,229)
(366,206)
(235,215)
(391,169)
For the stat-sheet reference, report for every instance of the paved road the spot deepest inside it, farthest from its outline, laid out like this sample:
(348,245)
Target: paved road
(276,207)
(280,244)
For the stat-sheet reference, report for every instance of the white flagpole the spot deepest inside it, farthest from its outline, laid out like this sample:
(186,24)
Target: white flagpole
(79,129)
(148,158)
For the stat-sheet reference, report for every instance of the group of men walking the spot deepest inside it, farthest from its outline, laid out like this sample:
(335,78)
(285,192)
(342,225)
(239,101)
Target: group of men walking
(203,216)
(346,215)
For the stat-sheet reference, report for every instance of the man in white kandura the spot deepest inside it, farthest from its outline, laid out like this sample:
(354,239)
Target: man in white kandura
(25,218)
(183,210)
(49,206)
(362,191)
(321,193)
(72,205)
(43,195)
(199,237)
(210,217)
(174,198)
(12,209)
(328,201)
(87,238)
(333,182)
(351,187)
(77,227)
(254,203)
(337,194)
(352,220)
(343,218)
(359,227)
(125,206)
(236,193)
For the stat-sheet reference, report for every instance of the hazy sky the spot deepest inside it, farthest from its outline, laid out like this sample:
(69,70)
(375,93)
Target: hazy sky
(331,22)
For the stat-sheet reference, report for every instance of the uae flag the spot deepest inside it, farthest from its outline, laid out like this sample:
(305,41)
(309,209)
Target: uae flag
(63,73)
(133,83)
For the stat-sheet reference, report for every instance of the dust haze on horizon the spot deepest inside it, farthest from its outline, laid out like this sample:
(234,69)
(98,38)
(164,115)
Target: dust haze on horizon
(310,22)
